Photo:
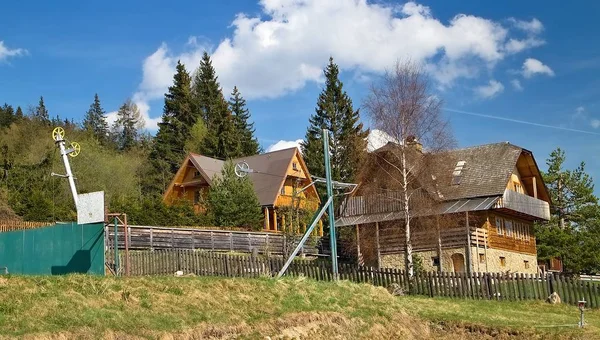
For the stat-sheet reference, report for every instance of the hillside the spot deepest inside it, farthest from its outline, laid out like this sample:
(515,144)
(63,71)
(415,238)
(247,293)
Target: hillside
(192,307)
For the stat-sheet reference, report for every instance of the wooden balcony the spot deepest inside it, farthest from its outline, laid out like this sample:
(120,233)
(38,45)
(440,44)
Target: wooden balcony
(286,201)
(523,205)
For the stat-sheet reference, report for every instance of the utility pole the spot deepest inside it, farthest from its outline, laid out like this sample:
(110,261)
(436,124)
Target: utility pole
(332,233)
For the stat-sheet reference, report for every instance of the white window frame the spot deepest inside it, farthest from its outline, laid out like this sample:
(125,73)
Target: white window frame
(499,225)
(509,228)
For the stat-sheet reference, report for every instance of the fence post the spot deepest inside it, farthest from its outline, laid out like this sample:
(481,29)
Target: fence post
(550,282)
(230,241)
(151,238)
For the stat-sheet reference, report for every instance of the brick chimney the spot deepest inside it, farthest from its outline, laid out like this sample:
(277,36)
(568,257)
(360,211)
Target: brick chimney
(413,142)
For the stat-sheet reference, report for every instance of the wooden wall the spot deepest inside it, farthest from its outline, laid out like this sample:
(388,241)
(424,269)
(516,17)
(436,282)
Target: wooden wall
(525,244)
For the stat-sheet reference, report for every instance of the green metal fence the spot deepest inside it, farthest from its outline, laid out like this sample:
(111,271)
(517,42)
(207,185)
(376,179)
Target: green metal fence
(53,250)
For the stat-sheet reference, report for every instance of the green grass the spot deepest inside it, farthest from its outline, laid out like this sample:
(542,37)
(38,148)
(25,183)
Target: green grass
(203,307)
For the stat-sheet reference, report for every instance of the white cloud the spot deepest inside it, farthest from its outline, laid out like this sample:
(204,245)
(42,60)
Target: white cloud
(516,45)
(490,90)
(595,123)
(532,67)
(286,46)
(377,139)
(284,144)
(532,27)
(516,83)
(580,110)
(6,52)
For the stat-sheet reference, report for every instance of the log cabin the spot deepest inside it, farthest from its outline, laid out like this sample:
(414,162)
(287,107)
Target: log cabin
(477,216)
(276,177)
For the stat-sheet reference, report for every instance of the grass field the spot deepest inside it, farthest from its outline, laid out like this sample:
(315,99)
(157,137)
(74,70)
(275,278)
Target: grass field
(205,307)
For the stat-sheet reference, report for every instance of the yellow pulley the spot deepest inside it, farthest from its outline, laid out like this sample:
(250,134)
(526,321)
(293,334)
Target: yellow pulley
(58,133)
(76,149)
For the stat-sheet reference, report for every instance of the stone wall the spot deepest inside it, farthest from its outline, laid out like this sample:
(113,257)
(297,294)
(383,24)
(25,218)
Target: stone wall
(397,260)
(514,262)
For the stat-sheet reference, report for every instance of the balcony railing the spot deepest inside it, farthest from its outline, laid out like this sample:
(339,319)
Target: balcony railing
(524,204)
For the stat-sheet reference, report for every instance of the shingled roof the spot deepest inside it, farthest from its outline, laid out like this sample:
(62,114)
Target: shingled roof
(270,170)
(486,171)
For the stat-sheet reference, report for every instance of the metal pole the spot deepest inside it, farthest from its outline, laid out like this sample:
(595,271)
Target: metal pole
(63,153)
(116,247)
(305,237)
(332,235)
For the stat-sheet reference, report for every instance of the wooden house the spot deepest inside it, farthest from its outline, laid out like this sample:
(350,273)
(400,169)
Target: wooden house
(277,178)
(481,204)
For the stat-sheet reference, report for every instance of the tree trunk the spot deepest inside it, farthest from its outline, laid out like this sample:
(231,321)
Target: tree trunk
(408,243)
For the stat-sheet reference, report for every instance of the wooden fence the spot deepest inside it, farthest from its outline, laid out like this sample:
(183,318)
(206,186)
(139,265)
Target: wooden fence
(11,225)
(484,286)
(143,237)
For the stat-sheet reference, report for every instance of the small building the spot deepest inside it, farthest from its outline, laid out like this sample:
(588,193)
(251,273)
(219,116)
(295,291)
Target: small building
(481,204)
(277,178)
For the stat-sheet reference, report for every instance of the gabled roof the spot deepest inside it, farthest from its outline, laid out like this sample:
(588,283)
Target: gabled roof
(269,171)
(486,171)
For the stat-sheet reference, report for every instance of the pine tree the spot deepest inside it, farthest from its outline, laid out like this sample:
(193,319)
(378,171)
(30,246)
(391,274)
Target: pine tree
(221,139)
(40,112)
(348,143)
(573,231)
(7,115)
(179,118)
(232,200)
(127,125)
(245,130)
(95,121)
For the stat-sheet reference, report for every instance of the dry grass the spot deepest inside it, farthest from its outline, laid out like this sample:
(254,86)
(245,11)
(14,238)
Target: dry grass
(216,308)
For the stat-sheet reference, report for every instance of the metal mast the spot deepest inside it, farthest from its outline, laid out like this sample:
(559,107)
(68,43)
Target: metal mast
(58,134)
(330,212)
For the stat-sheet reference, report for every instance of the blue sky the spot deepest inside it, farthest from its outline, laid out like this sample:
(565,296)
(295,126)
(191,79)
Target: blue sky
(533,61)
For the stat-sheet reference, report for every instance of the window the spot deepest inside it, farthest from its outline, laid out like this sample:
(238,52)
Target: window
(502,261)
(526,263)
(457,173)
(282,190)
(518,230)
(196,173)
(197,197)
(435,261)
(527,234)
(508,227)
(294,165)
(481,258)
(499,226)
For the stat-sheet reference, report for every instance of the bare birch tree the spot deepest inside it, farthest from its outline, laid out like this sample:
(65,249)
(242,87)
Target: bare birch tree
(403,105)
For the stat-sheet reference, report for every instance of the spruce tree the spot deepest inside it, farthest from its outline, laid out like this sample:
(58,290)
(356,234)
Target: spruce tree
(95,121)
(245,130)
(348,143)
(179,118)
(221,140)
(127,125)
(19,114)
(40,112)
(232,200)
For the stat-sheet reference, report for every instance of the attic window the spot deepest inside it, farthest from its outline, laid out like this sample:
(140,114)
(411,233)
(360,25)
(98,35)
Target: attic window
(457,173)
(294,165)
(196,173)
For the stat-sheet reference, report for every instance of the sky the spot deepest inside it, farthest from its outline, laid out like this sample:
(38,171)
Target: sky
(527,72)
